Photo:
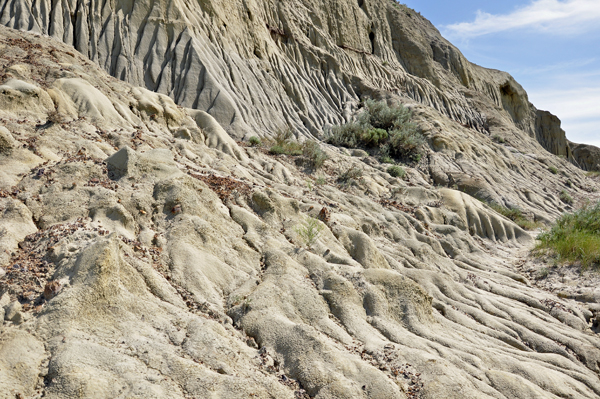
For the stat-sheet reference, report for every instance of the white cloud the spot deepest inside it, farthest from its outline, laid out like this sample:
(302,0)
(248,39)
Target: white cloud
(579,103)
(577,107)
(555,16)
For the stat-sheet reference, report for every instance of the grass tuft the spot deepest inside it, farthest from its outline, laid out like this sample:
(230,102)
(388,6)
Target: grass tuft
(309,231)
(575,237)
(396,171)
(565,197)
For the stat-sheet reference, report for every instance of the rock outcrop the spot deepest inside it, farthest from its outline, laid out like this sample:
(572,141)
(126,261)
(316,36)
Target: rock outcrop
(146,251)
(587,156)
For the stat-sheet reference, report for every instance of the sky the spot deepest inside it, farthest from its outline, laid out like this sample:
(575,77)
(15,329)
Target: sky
(551,47)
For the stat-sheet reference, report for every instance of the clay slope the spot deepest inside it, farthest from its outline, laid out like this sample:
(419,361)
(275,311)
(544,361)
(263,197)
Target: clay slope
(146,254)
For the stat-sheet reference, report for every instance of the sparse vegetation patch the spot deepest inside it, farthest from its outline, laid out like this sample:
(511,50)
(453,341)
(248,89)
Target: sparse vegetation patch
(565,197)
(350,175)
(284,143)
(382,130)
(396,171)
(517,216)
(575,237)
(309,231)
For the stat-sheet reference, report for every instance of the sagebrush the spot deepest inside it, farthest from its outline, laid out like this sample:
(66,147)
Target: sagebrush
(381,129)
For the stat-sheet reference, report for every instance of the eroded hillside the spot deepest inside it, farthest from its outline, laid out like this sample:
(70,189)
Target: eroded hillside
(261,66)
(145,253)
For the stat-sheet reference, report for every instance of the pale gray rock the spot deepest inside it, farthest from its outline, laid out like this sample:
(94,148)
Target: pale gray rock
(12,312)
(587,156)
(184,274)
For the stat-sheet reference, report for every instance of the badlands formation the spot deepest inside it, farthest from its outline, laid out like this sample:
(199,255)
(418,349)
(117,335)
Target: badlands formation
(148,251)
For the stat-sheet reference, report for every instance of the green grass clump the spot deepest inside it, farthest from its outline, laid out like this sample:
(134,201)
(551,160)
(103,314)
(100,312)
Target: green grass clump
(396,171)
(575,237)
(254,141)
(565,197)
(517,216)
(350,175)
(284,143)
(384,130)
(553,170)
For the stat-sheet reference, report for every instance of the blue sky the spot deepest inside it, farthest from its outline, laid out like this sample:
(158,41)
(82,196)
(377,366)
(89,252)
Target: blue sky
(551,47)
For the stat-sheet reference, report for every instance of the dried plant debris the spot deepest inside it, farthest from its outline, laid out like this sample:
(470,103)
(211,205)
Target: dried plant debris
(28,275)
(224,187)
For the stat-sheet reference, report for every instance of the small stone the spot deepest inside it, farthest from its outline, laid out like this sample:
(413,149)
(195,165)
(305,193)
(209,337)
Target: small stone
(52,289)
(324,215)
(12,312)
(4,300)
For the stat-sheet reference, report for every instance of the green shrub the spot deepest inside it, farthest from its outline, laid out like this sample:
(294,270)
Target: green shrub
(348,135)
(313,153)
(386,159)
(320,181)
(381,116)
(309,231)
(406,141)
(565,197)
(553,170)
(352,174)
(575,237)
(373,137)
(254,141)
(386,129)
(276,150)
(284,143)
(396,171)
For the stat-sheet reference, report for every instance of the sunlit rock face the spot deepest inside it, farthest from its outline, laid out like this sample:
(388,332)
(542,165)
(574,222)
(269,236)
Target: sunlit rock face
(147,251)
